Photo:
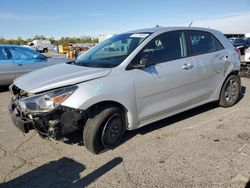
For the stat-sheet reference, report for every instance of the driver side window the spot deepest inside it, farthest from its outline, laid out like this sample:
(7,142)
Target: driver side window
(21,53)
(165,47)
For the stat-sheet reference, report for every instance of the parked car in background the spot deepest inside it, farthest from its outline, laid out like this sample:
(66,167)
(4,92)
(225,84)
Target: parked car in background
(41,45)
(17,60)
(126,82)
(246,57)
(238,41)
(243,46)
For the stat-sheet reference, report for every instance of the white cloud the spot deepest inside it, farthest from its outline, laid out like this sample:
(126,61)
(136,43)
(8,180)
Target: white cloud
(4,16)
(233,23)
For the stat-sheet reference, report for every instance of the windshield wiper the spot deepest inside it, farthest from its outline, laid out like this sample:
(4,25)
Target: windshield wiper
(71,62)
(82,64)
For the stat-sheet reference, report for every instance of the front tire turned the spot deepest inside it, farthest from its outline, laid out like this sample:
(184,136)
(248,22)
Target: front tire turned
(230,91)
(104,129)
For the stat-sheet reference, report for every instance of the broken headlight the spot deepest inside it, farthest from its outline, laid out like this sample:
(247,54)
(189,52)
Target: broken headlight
(45,102)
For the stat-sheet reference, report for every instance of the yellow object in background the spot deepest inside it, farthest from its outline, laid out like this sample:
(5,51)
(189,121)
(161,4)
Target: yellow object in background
(70,55)
(63,48)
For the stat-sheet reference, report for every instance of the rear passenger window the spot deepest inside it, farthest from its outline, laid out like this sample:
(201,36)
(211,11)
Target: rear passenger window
(22,53)
(166,47)
(3,54)
(203,42)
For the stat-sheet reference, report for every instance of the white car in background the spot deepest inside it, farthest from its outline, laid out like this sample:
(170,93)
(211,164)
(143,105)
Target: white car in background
(41,45)
(242,45)
(247,51)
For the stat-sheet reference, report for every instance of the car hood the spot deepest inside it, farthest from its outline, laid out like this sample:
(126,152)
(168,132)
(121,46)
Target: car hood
(56,76)
(57,60)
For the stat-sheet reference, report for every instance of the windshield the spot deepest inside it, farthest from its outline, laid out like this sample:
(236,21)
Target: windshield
(113,51)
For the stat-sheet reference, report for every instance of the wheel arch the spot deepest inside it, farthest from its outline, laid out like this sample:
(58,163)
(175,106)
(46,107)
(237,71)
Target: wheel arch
(233,72)
(45,49)
(110,103)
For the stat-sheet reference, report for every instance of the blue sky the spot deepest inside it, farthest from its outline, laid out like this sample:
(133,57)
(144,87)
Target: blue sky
(58,18)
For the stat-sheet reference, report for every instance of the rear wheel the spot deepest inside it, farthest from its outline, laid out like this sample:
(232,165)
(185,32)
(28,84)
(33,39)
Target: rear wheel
(104,129)
(230,91)
(45,50)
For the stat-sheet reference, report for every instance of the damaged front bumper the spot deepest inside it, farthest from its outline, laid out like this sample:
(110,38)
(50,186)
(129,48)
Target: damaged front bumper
(55,124)
(23,124)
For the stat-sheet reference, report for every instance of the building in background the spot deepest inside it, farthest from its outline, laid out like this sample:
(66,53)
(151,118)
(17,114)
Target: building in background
(104,37)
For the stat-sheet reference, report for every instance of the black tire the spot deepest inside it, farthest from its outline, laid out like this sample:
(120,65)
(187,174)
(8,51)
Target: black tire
(45,50)
(97,129)
(230,91)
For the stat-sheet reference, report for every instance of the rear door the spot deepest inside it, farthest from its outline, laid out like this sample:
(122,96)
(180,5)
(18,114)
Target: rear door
(211,61)
(7,73)
(167,86)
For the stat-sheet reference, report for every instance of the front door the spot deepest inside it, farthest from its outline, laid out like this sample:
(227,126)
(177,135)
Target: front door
(7,74)
(167,86)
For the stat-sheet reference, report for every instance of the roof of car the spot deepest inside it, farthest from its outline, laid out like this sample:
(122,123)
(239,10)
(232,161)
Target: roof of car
(9,45)
(160,29)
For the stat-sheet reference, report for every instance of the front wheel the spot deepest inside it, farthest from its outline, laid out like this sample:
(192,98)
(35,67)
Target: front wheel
(230,91)
(104,129)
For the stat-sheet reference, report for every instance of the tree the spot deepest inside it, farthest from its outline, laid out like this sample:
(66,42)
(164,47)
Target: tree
(62,40)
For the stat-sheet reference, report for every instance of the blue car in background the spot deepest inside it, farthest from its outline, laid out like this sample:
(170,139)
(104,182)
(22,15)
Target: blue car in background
(18,60)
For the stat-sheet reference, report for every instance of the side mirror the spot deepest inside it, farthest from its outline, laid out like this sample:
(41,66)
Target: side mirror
(40,56)
(144,62)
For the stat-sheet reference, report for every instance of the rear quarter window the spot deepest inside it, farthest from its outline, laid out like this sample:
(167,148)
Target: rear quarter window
(203,42)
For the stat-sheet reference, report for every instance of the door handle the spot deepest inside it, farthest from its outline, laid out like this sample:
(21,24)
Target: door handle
(187,66)
(20,64)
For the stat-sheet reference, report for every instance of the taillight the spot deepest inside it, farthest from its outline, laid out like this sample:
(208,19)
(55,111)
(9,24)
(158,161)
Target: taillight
(237,50)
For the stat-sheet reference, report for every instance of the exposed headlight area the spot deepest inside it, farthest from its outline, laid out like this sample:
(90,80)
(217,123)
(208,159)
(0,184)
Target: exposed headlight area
(45,102)
(18,93)
(44,112)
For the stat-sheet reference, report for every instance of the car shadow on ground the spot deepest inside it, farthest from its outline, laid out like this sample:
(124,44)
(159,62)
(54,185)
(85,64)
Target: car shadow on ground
(76,137)
(248,184)
(4,88)
(242,93)
(64,172)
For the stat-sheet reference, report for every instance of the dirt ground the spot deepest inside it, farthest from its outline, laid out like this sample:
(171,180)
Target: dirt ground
(208,146)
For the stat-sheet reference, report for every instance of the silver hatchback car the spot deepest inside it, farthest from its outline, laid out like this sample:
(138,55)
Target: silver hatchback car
(126,82)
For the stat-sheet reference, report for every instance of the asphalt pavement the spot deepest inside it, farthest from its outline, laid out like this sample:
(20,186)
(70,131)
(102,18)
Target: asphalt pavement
(208,146)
